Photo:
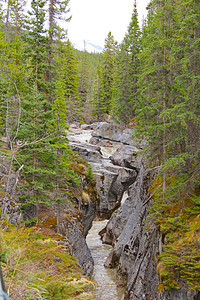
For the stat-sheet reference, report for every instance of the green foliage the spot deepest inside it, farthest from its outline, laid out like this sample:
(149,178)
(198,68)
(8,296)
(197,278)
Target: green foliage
(68,76)
(125,77)
(88,66)
(167,114)
(90,176)
(102,103)
(181,254)
(180,228)
(12,77)
(126,72)
(38,267)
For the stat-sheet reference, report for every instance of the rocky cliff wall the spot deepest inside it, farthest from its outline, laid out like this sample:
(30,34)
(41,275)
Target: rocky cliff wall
(136,239)
(122,184)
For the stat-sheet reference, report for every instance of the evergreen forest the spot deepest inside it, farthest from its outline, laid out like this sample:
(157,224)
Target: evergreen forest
(150,81)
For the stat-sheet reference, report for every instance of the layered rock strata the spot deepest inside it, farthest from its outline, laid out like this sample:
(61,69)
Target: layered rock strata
(103,147)
(122,184)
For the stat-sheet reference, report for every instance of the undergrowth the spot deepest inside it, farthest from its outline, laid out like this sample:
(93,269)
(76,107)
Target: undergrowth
(37,267)
(179,223)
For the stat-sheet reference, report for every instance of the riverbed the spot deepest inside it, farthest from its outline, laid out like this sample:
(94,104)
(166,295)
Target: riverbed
(104,278)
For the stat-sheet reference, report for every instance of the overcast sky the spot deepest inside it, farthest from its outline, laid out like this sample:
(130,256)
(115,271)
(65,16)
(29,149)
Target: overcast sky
(93,19)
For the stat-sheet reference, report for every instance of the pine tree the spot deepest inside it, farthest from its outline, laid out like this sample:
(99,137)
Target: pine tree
(121,95)
(64,176)
(107,73)
(58,11)
(126,72)
(95,103)
(165,85)
(35,131)
(83,89)
(68,74)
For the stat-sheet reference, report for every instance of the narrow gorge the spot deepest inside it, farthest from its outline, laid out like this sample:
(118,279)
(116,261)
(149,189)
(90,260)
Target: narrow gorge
(122,182)
(108,227)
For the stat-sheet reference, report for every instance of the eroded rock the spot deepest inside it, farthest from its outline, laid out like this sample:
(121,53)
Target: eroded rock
(77,244)
(114,132)
(136,247)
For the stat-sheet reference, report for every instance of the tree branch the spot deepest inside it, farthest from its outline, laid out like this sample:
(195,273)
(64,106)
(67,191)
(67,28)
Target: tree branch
(151,195)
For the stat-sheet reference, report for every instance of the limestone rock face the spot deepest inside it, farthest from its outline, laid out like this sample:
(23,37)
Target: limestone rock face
(136,248)
(110,187)
(126,156)
(137,243)
(77,245)
(120,217)
(88,214)
(114,133)
(112,159)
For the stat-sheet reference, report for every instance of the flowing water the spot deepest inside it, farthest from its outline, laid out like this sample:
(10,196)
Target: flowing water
(104,278)
(108,151)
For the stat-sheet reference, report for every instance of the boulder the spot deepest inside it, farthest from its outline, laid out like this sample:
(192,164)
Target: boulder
(88,152)
(114,133)
(111,186)
(126,156)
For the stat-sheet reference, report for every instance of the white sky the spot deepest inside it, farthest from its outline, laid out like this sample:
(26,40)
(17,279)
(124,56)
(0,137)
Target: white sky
(93,19)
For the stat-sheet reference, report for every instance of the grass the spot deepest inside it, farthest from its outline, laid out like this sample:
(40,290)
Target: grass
(38,267)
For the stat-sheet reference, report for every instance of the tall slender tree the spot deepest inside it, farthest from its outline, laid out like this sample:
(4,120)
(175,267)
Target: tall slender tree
(69,76)
(58,11)
(107,73)
(126,72)
(167,113)
(35,131)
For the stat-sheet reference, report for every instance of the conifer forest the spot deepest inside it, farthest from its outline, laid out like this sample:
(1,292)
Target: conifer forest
(150,82)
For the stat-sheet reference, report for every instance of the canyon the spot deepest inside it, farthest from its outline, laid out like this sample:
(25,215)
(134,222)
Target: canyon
(116,241)
(122,181)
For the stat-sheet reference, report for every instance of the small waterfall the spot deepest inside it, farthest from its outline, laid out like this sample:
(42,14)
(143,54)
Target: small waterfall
(124,197)
(108,151)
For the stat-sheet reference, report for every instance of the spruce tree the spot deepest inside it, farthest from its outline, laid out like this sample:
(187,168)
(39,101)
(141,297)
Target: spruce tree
(166,73)
(126,72)
(57,11)
(107,73)
(95,103)
(168,118)
(83,89)
(68,74)
(35,131)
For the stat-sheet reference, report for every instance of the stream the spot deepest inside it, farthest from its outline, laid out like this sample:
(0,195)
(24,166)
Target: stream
(104,278)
